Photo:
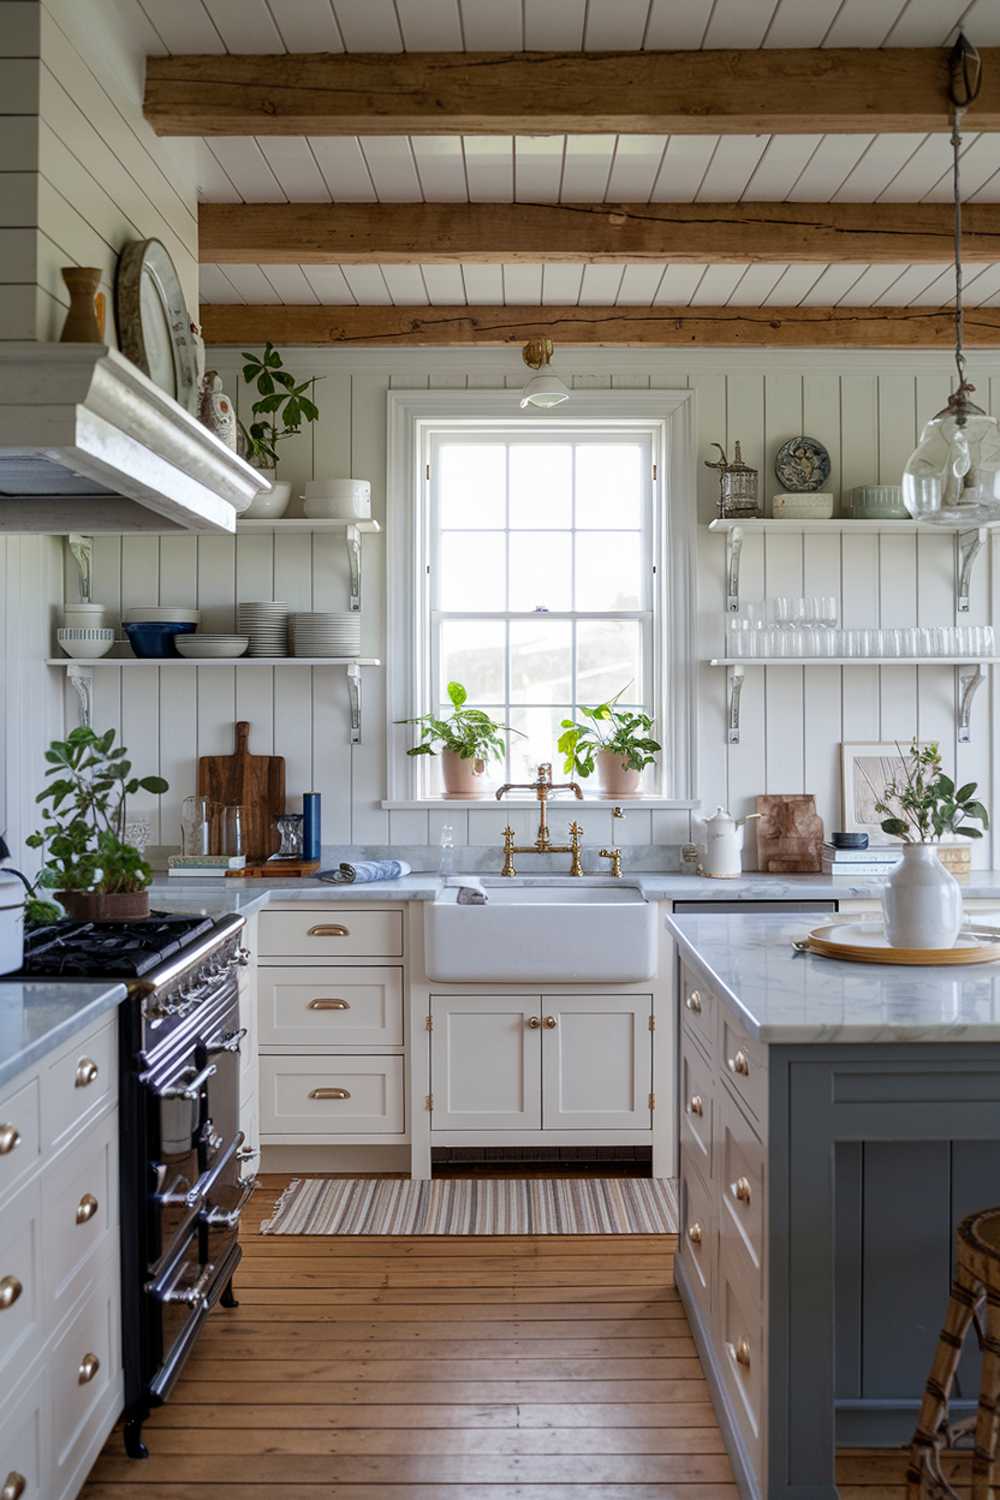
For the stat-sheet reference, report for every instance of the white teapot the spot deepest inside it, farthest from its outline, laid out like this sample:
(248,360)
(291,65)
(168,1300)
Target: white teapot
(721,855)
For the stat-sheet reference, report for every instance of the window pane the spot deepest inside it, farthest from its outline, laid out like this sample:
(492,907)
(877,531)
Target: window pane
(609,484)
(473,484)
(608,658)
(540,660)
(473,571)
(540,726)
(608,570)
(541,485)
(540,570)
(472,653)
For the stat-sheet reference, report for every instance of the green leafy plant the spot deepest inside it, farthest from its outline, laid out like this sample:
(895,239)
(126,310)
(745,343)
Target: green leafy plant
(281,408)
(621,731)
(469,732)
(83,835)
(923,805)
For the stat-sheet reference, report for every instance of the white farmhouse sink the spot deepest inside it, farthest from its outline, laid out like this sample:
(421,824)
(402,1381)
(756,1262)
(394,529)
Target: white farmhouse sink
(542,933)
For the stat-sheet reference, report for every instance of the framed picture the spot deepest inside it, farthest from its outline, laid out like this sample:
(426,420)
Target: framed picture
(867,767)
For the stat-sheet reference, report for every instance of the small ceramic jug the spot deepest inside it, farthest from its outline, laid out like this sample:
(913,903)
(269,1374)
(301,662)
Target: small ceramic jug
(921,902)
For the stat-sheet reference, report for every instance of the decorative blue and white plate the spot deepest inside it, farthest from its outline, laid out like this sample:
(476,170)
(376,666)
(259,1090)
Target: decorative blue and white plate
(802,464)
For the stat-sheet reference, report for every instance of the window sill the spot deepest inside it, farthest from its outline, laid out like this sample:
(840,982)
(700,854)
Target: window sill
(520,804)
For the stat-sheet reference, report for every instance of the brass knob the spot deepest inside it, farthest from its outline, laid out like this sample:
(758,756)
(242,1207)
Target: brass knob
(533,1023)
(739,1064)
(693,1002)
(550,1023)
(14,1486)
(89,1366)
(694,1233)
(741,1189)
(10,1290)
(86,1072)
(330,1094)
(10,1139)
(329,929)
(329,1005)
(86,1208)
(742,1353)
(696,1105)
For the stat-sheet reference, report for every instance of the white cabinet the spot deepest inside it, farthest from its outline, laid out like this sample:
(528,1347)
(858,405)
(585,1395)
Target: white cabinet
(596,1062)
(486,1062)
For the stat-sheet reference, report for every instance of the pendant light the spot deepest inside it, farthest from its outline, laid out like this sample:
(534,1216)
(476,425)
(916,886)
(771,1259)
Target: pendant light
(545,389)
(953,476)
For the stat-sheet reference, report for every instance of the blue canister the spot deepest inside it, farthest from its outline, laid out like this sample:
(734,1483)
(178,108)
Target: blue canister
(312,830)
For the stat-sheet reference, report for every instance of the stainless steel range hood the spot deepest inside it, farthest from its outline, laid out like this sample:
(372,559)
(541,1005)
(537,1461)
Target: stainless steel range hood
(88,443)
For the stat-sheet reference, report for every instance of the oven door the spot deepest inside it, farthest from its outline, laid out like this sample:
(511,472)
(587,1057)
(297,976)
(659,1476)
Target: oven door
(183,1295)
(225,1148)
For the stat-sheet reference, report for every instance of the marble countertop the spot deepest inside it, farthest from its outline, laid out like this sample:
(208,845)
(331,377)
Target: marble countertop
(785,997)
(37,1016)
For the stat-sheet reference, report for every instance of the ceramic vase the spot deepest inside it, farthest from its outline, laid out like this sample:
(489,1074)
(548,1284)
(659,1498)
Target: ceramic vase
(85,320)
(922,902)
(463,778)
(615,777)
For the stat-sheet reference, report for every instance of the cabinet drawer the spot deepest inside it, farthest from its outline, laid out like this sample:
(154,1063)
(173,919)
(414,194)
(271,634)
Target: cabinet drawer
(741,1188)
(331,1096)
(21,1299)
(697,1104)
(80,1207)
(80,1082)
(741,1354)
(331,933)
(332,1007)
(698,1009)
(698,1246)
(22,1442)
(84,1368)
(743,1064)
(20,1133)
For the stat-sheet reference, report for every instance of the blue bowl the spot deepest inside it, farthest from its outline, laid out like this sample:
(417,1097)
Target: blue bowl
(155,638)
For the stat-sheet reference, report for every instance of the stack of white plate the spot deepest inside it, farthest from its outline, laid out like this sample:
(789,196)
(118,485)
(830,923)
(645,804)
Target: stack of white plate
(265,621)
(333,633)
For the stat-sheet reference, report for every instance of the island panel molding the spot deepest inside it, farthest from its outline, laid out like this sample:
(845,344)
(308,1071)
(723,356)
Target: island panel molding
(725,91)
(683,233)
(653,327)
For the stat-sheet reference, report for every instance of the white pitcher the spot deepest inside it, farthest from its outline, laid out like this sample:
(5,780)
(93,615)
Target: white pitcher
(721,855)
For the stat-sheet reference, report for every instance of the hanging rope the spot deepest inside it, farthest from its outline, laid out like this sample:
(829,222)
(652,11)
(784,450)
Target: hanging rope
(965,80)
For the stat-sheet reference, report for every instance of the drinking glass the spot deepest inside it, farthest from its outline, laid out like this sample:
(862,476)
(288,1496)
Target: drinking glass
(196,825)
(233,836)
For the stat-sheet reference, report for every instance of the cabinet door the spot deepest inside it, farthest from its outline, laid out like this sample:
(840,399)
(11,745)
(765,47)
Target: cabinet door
(596,1062)
(486,1062)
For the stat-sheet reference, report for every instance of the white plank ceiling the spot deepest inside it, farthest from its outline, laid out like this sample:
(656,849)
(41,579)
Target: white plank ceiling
(582,169)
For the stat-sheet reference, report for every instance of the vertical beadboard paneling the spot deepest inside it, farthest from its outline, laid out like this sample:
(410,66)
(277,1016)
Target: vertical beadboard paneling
(368,447)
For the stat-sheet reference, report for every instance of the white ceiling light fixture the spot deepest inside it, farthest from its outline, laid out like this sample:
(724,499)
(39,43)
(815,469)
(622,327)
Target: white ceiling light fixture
(953,476)
(544,389)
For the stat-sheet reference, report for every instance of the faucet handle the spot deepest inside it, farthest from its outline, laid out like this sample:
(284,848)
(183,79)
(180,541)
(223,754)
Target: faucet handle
(615,856)
(616,812)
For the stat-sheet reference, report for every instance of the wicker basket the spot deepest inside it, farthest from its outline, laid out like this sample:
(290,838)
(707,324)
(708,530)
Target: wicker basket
(956,858)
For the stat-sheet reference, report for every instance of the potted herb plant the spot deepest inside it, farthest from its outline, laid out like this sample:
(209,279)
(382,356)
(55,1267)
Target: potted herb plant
(922,901)
(615,740)
(281,407)
(95,874)
(468,739)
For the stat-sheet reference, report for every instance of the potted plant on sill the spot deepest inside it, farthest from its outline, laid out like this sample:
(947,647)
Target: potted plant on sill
(468,740)
(96,875)
(278,413)
(922,900)
(615,740)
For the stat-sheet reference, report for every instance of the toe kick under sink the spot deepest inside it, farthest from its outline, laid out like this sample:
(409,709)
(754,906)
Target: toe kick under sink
(529,934)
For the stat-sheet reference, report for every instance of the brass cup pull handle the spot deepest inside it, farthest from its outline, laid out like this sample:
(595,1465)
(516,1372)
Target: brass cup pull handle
(329,929)
(86,1073)
(10,1290)
(695,1234)
(330,1094)
(89,1366)
(550,1023)
(740,1353)
(533,1023)
(741,1190)
(86,1208)
(693,1002)
(14,1486)
(10,1139)
(321,1004)
(696,1105)
(739,1064)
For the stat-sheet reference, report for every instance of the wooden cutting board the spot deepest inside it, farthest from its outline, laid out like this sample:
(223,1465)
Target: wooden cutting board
(254,782)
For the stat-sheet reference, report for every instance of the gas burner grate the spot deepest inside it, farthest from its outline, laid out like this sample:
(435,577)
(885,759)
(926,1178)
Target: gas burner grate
(112,950)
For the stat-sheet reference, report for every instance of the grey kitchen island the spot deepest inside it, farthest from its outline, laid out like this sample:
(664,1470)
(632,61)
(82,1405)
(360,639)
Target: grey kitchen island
(837,1121)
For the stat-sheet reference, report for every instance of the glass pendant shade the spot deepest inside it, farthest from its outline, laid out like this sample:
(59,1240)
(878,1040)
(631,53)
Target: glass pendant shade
(544,390)
(953,476)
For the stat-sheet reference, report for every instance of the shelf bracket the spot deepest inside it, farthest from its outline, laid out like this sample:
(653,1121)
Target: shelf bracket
(968,545)
(352,540)
(354,694)
(967,684)
(82,551)
(734,550)
(82,680)
(734,677)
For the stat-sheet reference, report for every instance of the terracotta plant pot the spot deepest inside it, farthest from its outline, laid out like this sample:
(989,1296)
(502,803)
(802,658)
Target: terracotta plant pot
(615,777)
(463,778)
(95,906)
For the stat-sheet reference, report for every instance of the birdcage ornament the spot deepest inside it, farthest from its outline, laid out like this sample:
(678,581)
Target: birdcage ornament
(737,486)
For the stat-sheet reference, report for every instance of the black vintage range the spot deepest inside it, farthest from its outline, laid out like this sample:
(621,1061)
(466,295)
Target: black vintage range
(181,1150)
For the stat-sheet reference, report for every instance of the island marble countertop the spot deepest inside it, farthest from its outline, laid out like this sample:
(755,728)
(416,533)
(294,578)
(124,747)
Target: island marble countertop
(38,1015)
(782,996)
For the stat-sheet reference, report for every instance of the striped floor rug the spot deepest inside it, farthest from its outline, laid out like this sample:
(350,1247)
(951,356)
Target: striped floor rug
(610,1205)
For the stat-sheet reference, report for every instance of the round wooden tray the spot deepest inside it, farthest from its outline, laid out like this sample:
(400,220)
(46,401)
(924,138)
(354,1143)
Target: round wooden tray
(866,943)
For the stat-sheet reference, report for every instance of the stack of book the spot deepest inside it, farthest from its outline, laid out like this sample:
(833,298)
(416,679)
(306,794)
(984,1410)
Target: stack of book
(878,859)
(201,866)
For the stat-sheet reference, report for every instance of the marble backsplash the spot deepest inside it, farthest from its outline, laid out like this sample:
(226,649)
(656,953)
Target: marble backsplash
(486,859)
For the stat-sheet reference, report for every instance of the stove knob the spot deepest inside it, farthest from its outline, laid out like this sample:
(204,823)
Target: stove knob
(243,957)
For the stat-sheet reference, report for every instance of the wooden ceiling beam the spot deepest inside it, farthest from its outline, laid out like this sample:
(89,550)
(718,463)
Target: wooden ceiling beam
(319,234)
(679,93)
(650,327)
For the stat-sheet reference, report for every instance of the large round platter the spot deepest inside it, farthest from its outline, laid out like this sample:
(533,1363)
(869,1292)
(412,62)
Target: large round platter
(154,325)
(802,464)
(866,942)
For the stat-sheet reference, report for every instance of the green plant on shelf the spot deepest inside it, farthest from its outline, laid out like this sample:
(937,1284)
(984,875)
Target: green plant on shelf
(281,407)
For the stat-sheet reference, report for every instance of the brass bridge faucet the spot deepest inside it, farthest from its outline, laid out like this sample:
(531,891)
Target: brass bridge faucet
(543,788)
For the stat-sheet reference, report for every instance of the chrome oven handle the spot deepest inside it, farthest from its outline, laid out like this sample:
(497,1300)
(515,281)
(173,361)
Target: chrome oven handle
(208,1179)
(228,1218)
(230,1043)
(195,1295)
(190,1088)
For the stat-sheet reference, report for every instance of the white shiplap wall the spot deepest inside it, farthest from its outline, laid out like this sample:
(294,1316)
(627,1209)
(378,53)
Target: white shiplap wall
(866,408)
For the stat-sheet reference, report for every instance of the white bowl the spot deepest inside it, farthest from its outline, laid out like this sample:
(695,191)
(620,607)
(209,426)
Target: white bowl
(86,644)
(271,504)
(83,616)
(173,614)
(338,499)
(211,646)
(803,507)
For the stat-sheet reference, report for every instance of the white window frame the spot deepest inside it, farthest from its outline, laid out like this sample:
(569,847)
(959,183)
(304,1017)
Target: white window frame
(666,419)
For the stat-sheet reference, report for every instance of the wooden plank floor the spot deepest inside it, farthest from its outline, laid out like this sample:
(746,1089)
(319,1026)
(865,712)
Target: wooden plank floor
(528,1368)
